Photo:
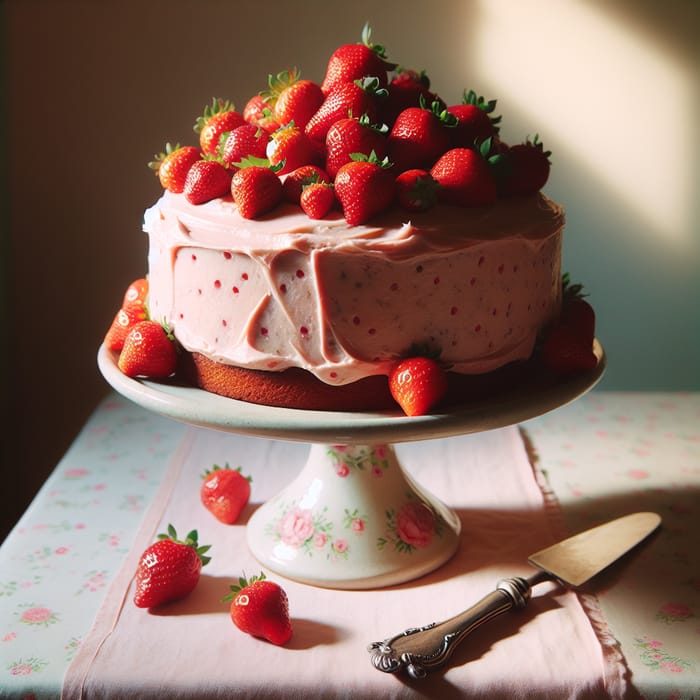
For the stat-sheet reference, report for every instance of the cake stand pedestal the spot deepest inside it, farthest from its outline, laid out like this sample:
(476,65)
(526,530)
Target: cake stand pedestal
(352,482)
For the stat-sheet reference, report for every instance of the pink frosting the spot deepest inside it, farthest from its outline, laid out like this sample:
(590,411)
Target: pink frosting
(344,302)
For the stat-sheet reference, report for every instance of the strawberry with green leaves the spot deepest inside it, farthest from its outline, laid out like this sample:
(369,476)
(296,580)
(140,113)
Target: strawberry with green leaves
(465,177)
(419,136)
(290,148)
(244,141)
(259,113)
(260,607)
(417,190)
(225,492)
(173,164)
(169,569)
(149,351)
(346,100)
(317,200)
(255,188)
(364,187)
(207,179)
(351,62)
(418,384)
(526,168)
(406,89)
(348,136)
(474,121)
(218,119)
(292,98)
(295,181)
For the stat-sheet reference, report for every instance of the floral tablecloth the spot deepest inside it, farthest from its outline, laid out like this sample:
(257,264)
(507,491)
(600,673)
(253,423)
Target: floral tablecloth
(602,456)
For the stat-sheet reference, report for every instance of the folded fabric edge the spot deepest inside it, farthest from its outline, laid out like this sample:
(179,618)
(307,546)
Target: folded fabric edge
(616,671)
(110,610)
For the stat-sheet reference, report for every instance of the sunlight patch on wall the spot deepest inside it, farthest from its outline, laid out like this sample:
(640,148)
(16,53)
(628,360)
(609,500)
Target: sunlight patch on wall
(617,100)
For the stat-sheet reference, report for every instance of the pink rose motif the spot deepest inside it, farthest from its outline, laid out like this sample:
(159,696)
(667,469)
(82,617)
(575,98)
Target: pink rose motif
(377,471)
(342,469)
(320,540)
(671,666)
(675,612)
(21,670)
(61,550)
(340,545)
(296,527)
(416,524)
(75,473)
(36,616)
(358,525)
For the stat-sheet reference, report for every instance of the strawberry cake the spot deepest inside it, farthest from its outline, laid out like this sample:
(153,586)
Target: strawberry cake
(330,231)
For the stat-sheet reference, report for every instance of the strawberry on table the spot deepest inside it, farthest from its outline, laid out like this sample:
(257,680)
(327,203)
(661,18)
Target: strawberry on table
(169,569)
(348,136)
(256,188)
(206,180)
(416,190)
(260,607)
(173,164)
(225,492)
(465,178)
(218,119)
(317,200)
(149,351)
(364,187)
(355,61)
(419,136)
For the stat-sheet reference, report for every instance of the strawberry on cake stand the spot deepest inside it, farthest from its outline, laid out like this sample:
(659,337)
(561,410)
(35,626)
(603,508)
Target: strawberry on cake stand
(409,531)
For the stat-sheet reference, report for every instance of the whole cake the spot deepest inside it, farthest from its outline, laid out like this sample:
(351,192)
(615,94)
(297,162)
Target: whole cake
(329,235)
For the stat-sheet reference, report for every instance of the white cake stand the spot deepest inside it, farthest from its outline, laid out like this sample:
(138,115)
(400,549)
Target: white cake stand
(352,480)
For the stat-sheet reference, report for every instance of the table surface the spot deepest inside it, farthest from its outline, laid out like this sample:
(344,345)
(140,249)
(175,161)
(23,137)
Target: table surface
(604,455)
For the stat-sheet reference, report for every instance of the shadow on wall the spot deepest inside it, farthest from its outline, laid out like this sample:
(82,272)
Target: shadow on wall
(111,83)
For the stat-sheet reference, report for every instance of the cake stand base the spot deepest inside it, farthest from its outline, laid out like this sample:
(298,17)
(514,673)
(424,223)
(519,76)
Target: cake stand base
(353,519)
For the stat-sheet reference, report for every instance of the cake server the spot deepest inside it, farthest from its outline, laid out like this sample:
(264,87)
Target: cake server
(570,562)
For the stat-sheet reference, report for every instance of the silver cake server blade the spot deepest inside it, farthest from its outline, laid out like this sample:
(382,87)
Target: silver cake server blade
(571,562)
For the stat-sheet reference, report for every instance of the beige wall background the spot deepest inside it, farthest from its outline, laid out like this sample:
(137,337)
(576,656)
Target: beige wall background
(93,89)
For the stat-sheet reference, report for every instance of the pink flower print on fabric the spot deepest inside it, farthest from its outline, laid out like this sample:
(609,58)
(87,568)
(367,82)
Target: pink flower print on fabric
(38,616)
(25,667)
(75,473)
(296,527)
(416,524)
(653,656)
(674,612)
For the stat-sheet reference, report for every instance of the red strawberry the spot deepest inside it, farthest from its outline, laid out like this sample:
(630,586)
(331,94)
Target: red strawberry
(474,121)
(565,353)
(136,291)
(206,180)
(225,492)
(169,569)
(416,190)
(258,112)
(295,181)
(526,168)
(419,136)
(149,351)
(261,608)
(348,136)
(418,384)
(346,100)
(364,187)
(256,189)
(406,90)
(355,61)
(293,99)
(290,148)
(218,119)
(465,178)
(173,165)
(577,314)
(127,317)
(246,140)
(317,200)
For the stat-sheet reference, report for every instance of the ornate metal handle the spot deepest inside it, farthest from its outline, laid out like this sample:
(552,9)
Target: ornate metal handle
(422,649)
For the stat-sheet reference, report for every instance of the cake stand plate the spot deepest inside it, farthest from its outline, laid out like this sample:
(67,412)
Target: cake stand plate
(299,532)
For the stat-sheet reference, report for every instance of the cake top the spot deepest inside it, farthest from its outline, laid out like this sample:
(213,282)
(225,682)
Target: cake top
(370,137)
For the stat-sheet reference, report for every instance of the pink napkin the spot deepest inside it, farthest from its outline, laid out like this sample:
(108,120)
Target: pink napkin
(191,649)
